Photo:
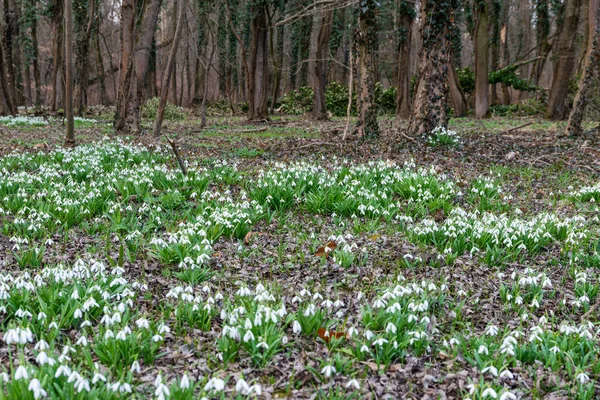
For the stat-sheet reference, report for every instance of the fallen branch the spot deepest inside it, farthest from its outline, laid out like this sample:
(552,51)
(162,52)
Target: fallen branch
(264,128)
(178,156)
(515,128)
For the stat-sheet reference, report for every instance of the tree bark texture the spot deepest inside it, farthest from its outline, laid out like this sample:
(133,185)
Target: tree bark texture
(591,71)
(403,100)
(365,40)
(565,62)
(430,106)
(319,109)
(482,86)
(164,88)
(259,67)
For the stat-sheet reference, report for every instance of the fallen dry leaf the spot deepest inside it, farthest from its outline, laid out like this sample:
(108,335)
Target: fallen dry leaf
(325,250)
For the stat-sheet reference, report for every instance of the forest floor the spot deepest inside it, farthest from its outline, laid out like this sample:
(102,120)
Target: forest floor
(289,263)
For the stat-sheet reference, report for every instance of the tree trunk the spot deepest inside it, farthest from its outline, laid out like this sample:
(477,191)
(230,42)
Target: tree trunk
(459,102)
(277,56)
(11,54)
(403,95)
(496,10)
(36,66)
(99,62)
(7,106)
(365,39)
(591,70)
(164,90)
(124,93)
(173,79)
(84,25)
(319,108)
(206,77)
(57,51)
(143,55)
(68,94)
(135,76)
(430,106)
(565,63)
(504,52)
(482,87)
(259,67)
(542,12)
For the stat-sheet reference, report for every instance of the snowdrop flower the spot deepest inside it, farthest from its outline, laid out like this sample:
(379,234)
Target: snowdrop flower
(143,323)
(185,382)
(583,378)
(489,392)
(63,370)
(328,371)
(506,374)
(242,387)
(42,345)
(98,377)
(36,388)
(391,328)
(491,369)
(296,327)
(162,391)
(43,359)
(483,350)
(215,384)
(249,336)
(21,373)
(353,384)
(508,396)
(135,367)
(492,330)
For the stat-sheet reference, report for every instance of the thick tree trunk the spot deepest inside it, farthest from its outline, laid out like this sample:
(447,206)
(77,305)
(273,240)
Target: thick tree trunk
(143,53)
(591,70)
(430,106)
(565,63)
(164,90)
(7,106)
(365,39)
(319,108)
(68,94)
(11,32)
(134,79)
(259,67)
(542,12)
(123,121)
(403,100)
(482,87)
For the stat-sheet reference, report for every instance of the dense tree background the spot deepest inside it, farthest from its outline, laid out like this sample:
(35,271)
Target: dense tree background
(249,55)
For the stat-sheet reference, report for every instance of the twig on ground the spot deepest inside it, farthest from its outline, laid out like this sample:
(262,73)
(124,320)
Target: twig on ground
(264,128)
(515,128)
